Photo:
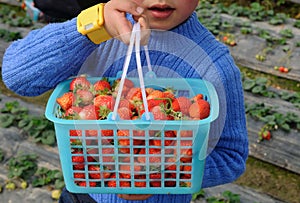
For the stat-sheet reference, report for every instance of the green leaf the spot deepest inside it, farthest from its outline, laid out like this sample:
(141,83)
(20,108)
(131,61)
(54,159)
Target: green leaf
(286,127)
(248,84)
(257,89)
(48,137)
(6,120)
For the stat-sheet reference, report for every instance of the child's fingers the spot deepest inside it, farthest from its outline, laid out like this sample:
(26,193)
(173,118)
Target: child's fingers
(116,23)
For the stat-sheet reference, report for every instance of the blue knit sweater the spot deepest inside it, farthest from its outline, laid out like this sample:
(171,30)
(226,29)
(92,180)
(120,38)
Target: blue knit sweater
(47,56)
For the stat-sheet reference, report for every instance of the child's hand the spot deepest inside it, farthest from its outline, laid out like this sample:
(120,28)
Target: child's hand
(134,197)
(118,26)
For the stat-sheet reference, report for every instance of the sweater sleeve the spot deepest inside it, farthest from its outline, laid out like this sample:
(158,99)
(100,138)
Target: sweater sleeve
(45,57)
(227,160)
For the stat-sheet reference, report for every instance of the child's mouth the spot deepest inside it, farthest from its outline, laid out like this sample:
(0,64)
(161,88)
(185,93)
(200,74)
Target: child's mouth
(161,11)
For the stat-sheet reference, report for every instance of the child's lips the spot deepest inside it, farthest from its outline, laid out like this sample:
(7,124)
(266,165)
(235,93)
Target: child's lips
(161,11)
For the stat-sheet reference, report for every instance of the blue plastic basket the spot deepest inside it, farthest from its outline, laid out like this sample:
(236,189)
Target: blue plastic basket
(140,177)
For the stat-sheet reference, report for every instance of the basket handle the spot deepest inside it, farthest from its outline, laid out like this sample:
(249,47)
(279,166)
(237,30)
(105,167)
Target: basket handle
(135,39)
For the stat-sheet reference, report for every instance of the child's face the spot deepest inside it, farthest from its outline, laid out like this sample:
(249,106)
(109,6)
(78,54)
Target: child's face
(167,14)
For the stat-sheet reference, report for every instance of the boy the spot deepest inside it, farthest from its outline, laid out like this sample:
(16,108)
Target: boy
(52,54)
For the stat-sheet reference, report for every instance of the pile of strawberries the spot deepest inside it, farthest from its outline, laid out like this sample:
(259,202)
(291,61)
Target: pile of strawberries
(88,101)
(112,155)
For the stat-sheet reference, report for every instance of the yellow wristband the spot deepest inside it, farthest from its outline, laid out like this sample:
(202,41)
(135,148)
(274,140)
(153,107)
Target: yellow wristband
(90,22)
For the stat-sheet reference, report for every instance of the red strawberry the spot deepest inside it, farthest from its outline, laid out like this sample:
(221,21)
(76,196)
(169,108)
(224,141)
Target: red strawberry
(181,104)
(186,152)
(102,86)
(134,94)
(107,133)
(124,113)
(266,135)
(84,97)
(186,168)
(66,100)
(113,183)
(128,84)
(197,98)
(159,114)
(126,169)
(154,155)
(199,109)
(156,102)
(171,164)
(89,112)
(79,175)
(95,173)
(126,103)
(186,133)
(77,157)
(83,184)
(73,112)
(156,94)
(140,181)
(80,83)
(105,100)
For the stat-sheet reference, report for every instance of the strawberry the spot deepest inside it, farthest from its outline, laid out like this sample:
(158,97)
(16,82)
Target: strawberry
(186,133)
(107,133)
(181,104)
(126,169)
(83,184)
(128,84)
(125,143)
(79,83)
(199,109)
(186,152)
(66,100)
(156,102)
(72,113)
(169,93)
(266,135)
(124,113)
(154,155)
(102,86)
(113,183)
(196,98)
(83,97)
(170,164)
(95,173)
(155,94)
(168,133)
(186,168)
(104,100)
(134,94)
(140,181)
(89,112)
(79,175)
(159,114)
(75,132)
(126,103)
(78,157)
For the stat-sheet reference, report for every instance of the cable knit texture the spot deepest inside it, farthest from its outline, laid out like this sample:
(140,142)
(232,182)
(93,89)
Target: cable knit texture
(47,56)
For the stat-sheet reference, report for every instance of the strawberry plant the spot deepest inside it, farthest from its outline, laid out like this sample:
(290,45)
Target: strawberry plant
(287,33)
(9,36)
(44,176)
(272,119)
(39,129)
(22,166)
(226,197)
(258,86)
(297,24)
